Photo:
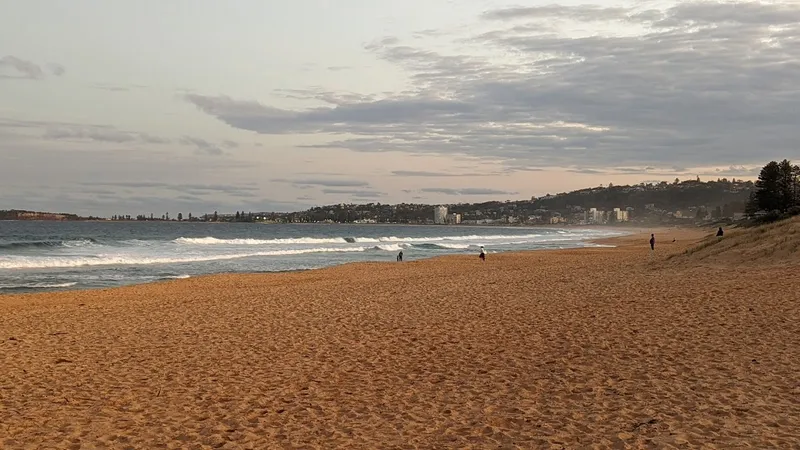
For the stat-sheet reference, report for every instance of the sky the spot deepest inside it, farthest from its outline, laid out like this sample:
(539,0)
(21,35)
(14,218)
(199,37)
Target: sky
(154,106)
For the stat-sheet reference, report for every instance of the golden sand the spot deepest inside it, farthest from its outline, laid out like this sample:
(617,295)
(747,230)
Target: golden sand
(607,348)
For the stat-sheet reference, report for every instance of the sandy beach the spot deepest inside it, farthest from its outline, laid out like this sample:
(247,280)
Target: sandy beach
(586,348)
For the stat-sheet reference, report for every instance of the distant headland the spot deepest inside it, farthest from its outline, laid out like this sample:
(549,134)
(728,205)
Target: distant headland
(679,202)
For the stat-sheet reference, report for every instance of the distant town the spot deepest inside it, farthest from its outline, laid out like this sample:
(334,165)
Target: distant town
(689,201)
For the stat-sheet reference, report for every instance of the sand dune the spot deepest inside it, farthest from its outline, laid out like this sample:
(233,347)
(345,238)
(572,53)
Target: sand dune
(605,348)
(773,244)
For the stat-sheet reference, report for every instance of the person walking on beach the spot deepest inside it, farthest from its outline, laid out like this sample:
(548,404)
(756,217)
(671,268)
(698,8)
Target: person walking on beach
(482,256)
(400,256)
(652,242)
(719,232)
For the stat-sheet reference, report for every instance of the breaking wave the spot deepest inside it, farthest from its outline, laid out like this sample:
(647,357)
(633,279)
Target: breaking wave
(37,262)
(46,244)
(215,241)
(351,240)
(38,285)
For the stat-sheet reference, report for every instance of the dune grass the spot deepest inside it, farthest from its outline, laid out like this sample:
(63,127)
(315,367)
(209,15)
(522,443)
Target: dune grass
(774,243)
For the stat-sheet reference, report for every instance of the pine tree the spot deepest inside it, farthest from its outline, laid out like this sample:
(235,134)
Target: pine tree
(766,196)
(777,188)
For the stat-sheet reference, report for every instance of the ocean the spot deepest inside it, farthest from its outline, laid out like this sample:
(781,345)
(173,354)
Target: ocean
(47,256)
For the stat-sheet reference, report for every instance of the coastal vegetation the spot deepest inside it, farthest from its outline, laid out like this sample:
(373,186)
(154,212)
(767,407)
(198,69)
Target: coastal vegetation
(777,192)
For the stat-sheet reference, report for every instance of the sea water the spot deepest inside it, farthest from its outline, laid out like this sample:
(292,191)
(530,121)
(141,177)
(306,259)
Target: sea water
(44,256)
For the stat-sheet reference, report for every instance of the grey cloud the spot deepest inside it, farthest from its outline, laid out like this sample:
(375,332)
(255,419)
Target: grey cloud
(98,191)
(751,13)
(189,198)
(423,173)
(321,95)
(230,144)
(75,132)
(243,190)
(121,172)
(467,191)
(322,182)
(588,171)
(20,68)
(586,13)
(78,201)
(355,193)
(202,146)
(99,134)
(57,69)
(736,171)
(707,84)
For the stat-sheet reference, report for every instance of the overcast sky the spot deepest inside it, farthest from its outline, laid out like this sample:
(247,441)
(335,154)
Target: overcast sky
(200,105)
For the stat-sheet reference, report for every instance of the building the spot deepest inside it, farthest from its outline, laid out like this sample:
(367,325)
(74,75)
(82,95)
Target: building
(620,215)
(440,215)
(596,216)
(454,218)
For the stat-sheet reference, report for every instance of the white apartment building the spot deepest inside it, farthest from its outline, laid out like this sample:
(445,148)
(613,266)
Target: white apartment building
(454,218)
(440,215)
(595,216)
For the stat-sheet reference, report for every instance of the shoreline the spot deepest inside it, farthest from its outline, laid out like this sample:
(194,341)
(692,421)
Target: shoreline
(603,242)
(45,290)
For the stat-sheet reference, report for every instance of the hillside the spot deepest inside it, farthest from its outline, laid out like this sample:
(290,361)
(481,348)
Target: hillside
(773,244)
(690,193)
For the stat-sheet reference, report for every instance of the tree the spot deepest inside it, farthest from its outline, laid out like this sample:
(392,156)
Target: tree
(766,194)
(777,188)
(237,216)
(215,216)
(788,184)
(180,217)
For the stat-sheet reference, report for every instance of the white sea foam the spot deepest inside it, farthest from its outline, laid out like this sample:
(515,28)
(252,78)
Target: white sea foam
(78,243)
(37,285)
(208,240)
(455,246)
(214,241)
(39,262)
(135,252)
(390,247)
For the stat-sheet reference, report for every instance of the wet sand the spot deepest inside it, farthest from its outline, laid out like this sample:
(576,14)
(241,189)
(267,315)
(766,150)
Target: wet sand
(606,348)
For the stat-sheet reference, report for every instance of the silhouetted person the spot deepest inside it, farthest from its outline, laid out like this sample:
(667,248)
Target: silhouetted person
(720,232)
(652,242)
(400,256)
(482,256)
